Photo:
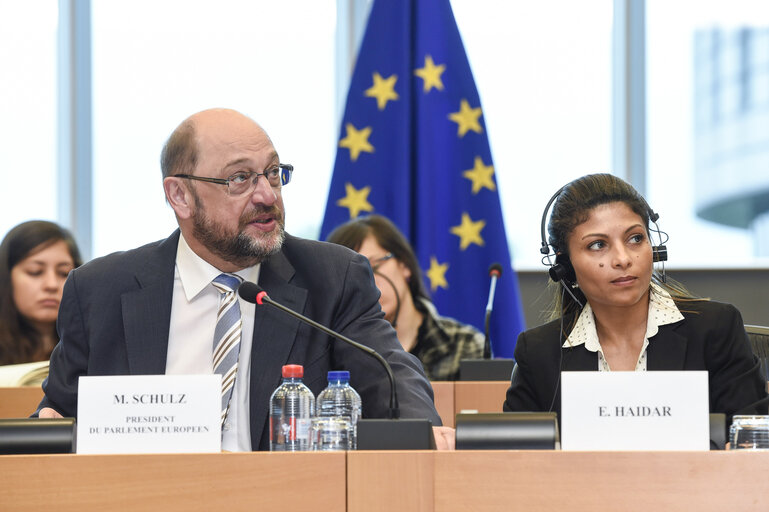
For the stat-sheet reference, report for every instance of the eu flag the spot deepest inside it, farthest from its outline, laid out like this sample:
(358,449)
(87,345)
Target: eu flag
(413,148)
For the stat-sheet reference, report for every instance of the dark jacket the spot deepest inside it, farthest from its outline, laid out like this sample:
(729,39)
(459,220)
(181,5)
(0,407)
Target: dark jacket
(711,337)
(115,316)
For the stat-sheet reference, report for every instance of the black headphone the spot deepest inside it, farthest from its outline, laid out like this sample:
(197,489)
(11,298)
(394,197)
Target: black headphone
(563,272)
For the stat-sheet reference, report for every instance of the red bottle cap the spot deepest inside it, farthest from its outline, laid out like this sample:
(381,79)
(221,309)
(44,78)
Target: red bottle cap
(293,371)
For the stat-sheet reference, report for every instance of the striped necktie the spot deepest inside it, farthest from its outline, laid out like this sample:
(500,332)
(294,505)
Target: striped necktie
(227,335)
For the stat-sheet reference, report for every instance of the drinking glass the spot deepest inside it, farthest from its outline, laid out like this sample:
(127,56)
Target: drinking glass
(331,433)
(749,433)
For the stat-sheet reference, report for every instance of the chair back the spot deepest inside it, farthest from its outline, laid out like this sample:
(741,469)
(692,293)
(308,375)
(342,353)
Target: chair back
(759,341)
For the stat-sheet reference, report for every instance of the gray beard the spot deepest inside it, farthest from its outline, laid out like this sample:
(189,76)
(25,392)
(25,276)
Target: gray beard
(238,249)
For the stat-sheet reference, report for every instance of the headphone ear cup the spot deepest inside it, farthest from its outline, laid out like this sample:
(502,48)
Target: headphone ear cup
(562,270)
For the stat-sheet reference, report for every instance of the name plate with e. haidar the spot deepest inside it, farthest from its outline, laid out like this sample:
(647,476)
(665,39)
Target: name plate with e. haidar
(661,410)
(149,414)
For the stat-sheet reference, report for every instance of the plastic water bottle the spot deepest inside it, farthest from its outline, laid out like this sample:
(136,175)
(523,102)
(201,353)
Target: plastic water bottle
(336,415)
(291,407)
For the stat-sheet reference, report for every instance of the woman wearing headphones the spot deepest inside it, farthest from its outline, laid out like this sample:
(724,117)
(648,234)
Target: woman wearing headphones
(612,311)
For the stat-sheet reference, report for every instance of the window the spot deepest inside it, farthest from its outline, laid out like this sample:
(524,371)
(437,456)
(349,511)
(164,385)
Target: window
(27,112)
(543,71)
(155,63)
(708,130)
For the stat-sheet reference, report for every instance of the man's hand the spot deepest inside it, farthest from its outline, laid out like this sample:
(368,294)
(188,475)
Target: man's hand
(47,412)
(445,438)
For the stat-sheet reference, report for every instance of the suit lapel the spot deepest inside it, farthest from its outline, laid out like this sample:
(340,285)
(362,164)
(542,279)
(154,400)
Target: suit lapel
(147,311)
(667,349)
(579,359)
(274,335)
(576,359)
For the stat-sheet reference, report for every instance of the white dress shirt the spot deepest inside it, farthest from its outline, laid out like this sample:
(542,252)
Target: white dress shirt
(190,338)
(662,311)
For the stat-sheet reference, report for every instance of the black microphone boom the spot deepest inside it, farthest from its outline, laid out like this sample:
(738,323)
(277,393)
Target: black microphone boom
(495,270)
(389,281)
(253,293)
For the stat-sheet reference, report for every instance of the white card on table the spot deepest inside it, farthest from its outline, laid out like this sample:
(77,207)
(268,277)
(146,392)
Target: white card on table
(661,410)
(149,414)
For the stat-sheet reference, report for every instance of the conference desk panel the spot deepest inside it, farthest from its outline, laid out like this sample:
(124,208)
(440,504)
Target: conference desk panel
(443,392)
(450,398)
(556,480)
(479,396)
(174,482)
(400,481)
(19,402)
(453,397)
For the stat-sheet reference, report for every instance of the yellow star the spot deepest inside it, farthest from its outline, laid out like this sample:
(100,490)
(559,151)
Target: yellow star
(356,200)
(431,74)
(356,141)
(467,118)
(437,274)
(469,232)
(383,90)
(481,176)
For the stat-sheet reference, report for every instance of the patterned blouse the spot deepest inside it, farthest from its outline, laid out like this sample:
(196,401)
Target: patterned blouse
(662,311)
(442,342)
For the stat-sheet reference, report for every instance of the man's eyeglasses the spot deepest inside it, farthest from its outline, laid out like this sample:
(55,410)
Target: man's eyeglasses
(375,264)
(244,182)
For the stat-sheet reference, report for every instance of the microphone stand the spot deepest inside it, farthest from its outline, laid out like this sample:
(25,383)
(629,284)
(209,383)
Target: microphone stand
(394,411)
(397,313)
(487,341)
(392,433)
(487,368)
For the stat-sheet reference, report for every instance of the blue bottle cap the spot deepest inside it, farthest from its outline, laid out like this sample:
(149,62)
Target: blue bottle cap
(339,375)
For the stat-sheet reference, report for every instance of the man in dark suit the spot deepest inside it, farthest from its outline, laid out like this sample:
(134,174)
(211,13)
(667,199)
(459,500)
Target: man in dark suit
(153,310)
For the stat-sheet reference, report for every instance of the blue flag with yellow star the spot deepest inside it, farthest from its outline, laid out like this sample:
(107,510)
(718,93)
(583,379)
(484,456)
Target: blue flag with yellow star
(413,148)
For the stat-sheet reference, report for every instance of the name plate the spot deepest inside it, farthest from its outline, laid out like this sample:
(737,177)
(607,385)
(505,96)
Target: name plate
(635,411)
(149,414)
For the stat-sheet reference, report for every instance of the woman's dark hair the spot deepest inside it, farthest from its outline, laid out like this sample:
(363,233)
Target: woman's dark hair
(19,342)
(572,207)
(351,234)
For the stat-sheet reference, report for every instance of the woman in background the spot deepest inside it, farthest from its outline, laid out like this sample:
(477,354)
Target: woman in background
(612,311)
(35,258)
(438,342)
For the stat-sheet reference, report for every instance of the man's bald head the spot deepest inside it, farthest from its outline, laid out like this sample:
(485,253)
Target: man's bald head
(181,150)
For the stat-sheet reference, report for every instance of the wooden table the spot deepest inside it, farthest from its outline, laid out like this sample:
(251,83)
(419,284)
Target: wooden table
(555,480)
(451,397)
(19,402)
(443,392)
(389,481)
(479,396)
(179,482)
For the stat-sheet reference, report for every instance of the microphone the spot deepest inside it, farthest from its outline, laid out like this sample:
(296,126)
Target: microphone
(487,368)
(253,293)
(495,270)
(389,281)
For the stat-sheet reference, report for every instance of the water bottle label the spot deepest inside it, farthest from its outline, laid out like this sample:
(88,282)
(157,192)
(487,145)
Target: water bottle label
(303,428)
(298,429)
